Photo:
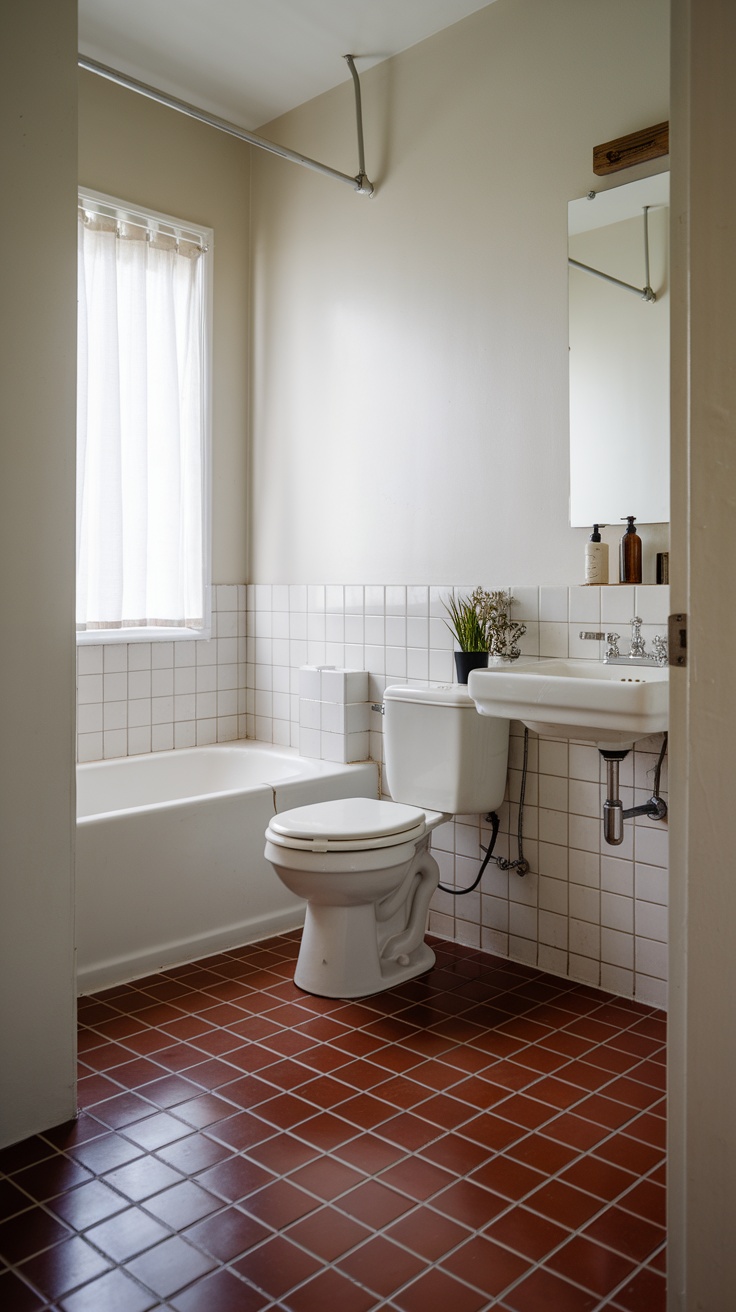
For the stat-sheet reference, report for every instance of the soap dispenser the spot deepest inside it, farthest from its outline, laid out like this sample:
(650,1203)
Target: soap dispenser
(596,557)
(630,554)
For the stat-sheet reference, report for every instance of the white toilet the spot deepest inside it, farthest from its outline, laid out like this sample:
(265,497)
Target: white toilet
(364,867)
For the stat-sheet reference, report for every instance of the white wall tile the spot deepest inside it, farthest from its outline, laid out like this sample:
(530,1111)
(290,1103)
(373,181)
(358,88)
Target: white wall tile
(553,757)
(553,604)
(584,867)
(617,875)
(115,658)
(617,980)
(651,921)
(552,639)
(89,660)
(139,654)
(115,715)
(552,918)
(89,747)
(585,938)
(652,883)
(651,843)
(585,606)
(114,687)
(162,655)
(114,743)
(139,741)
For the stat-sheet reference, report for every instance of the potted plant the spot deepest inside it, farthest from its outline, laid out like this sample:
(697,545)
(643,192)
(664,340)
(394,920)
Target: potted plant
(483,630)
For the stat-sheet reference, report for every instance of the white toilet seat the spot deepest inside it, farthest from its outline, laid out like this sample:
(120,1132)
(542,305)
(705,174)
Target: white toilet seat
(347,825)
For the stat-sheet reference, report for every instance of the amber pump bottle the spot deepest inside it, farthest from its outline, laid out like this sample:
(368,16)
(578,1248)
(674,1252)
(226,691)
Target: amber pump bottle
(630,554)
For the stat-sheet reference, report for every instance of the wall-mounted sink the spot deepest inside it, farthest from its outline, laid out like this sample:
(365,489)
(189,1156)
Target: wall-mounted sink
(609,705)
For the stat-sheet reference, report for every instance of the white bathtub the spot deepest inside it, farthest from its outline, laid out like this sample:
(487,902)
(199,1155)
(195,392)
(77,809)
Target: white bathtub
(170,863)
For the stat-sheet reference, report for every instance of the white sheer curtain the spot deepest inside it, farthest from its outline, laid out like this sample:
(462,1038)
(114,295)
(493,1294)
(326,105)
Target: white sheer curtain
(140,448)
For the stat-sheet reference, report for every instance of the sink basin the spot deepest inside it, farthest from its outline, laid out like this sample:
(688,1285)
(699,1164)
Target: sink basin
(609,705)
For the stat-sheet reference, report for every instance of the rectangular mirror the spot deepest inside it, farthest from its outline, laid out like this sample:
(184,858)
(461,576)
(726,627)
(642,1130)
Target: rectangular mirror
(619,355)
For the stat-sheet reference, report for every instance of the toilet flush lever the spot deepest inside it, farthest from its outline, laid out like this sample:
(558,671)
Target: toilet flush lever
(378,706)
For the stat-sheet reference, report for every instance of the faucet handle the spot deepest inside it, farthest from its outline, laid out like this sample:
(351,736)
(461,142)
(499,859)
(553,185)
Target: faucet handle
(612,639)
(660,649)
(637,642)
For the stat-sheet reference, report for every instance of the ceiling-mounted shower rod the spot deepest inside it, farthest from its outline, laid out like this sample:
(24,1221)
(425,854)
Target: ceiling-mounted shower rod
(645,293)
(359,183)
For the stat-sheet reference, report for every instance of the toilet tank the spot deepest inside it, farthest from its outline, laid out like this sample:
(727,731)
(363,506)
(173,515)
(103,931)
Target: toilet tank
(442,755)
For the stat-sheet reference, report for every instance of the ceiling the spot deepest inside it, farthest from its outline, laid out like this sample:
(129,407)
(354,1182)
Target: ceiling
(249,61)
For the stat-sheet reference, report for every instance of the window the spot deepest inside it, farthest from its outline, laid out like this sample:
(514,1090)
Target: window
(143,424)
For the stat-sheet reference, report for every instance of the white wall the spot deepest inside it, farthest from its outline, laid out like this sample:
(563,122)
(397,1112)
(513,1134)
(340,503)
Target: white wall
(37,387)
(410,413)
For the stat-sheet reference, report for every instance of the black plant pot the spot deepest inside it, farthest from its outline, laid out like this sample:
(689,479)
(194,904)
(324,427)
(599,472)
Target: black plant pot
(465,661)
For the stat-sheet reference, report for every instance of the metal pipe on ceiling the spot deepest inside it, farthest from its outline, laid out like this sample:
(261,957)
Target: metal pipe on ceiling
(359,183)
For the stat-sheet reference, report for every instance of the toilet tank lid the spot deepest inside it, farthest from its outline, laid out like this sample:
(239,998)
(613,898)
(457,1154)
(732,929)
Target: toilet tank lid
(436,694)
(347,819)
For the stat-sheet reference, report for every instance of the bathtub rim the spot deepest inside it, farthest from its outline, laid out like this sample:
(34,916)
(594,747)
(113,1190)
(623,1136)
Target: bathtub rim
(313,769)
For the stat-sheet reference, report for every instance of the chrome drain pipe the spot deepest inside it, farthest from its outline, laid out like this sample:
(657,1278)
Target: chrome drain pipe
(613,808)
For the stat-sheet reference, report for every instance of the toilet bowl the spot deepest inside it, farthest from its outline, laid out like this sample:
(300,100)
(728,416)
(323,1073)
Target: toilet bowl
(364,866)
(366,873)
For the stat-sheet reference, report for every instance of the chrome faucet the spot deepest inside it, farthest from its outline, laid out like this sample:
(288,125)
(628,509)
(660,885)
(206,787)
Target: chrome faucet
(637,654)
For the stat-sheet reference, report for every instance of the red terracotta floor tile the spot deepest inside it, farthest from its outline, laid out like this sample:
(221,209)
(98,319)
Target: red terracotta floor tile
(527,1233)
(485,1264)
(278,1204)
(105,1153)
(369,1153)
(645,1292)
(182,1205)
(589,1264)
(507,1177)
(228,1234)
(156,1131)
(408,1131)
(628,1234)
(277,1266)
(87,1204)
(17,1295)
(436,1291)
(330,1289)
(113,1290)
(561,1202)
(62,1268)
(170,1266)
(427,1233)
(55,1175)
(375,1204)
(327,1178)
(417,1178)
(545,1290)
(646,1199)
(281,1154)
(328,1233)
(193,1154)
(381,1266)
(543,1154)
(630,1154)
(492,1132)
(484,1119)
(603,1179)
(127,1234)
(470,1204)
(222,1291)
(142,1178)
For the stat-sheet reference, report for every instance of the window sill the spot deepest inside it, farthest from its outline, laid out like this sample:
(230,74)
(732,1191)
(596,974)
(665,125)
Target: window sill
(96,637)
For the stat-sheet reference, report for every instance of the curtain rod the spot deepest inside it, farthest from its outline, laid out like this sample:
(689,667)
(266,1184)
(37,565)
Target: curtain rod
(359,183)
